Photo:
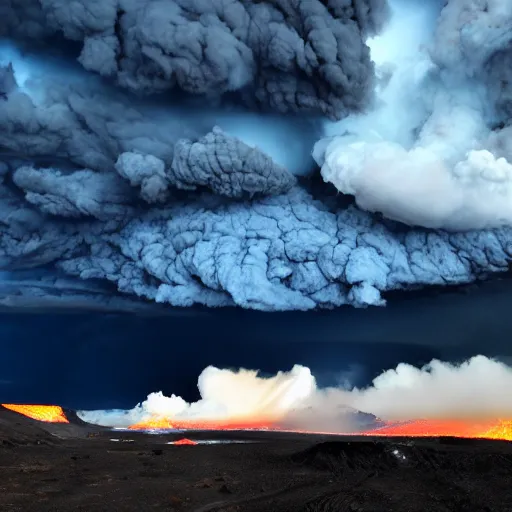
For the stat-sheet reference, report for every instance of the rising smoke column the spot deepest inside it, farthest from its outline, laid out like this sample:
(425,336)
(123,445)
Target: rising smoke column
(475,389)
(431,153)
(183,197)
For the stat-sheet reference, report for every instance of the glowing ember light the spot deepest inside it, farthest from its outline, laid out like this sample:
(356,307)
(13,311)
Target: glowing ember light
(184,442)
(503,430)
(156,423)
(497,429)
(46,413)
(481,429)
(162,423)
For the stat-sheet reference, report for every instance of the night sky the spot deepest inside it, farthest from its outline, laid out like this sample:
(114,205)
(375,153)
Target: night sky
(96,360)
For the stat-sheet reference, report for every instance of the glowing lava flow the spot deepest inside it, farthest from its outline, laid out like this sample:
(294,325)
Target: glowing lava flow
(500,429)
(46,413)
(497,429)
(184,442)
(153,424)
(162,423)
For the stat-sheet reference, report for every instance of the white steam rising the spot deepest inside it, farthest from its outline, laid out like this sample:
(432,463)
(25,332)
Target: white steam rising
(477,388)
(426,154)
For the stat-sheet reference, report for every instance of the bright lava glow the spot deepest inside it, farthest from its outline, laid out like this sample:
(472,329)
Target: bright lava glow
(500,429)
(184,442)
(46,413)
(485,429)
(497,429)
(407,400)
(162,423)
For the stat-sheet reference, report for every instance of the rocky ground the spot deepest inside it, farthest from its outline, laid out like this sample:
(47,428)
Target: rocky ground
(76,467)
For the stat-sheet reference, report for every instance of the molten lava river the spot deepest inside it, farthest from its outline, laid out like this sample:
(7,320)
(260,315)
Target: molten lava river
(487,429)
(496,429)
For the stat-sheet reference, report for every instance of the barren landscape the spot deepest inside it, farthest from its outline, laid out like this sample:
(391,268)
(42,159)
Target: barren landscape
(78,467)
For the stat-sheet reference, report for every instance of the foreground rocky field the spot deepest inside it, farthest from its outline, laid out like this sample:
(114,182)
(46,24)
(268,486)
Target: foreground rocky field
(77,467)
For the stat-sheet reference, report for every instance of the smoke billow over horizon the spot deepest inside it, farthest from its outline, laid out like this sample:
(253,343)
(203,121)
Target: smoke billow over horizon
(475,389)
(161,151)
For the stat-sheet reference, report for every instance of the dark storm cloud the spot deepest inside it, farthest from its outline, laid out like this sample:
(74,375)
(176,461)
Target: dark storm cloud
(150,196)
(7,81)
(217,161)
(77,194)
(291,56)
(105,133)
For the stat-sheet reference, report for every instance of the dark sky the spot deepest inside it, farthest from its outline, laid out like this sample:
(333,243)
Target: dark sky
(103,361)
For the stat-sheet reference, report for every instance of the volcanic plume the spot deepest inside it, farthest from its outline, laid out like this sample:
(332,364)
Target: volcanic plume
(160,152)
(469,399)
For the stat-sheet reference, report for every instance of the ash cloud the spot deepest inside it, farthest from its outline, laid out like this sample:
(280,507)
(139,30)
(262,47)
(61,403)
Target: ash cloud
(159,163)
(432,153)
(7,81)
(306,56)
(77,194)
(474,389)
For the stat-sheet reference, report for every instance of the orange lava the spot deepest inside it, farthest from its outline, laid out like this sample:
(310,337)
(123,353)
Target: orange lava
(153,424)
(482,429)
(184,442)
(161,423)
(502,430)
(497,429)
(47,413)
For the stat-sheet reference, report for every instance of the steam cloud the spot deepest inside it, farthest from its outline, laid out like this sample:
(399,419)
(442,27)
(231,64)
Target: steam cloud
(433,153)
(475,389)
(165,147)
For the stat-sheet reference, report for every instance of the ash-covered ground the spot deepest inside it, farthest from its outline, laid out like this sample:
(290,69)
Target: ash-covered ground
(78,467)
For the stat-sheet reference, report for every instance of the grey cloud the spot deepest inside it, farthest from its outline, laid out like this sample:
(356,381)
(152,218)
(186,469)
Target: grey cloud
(80,193)
(27,239)
(243,231)
(227,166)
(474,38)
(289,56)
(7,81)
(217,161)
(104,133)
(146,172)
(281,253)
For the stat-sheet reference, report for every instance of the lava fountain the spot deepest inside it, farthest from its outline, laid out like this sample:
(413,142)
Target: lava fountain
(46,413)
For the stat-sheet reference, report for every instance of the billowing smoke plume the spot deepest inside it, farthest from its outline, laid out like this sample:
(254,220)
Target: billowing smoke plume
(290,57)
(162,149)
(433,153)
(475,389)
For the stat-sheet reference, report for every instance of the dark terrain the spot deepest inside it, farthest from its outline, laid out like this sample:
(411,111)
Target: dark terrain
(76,467)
